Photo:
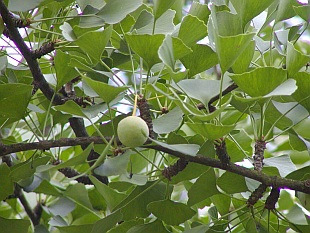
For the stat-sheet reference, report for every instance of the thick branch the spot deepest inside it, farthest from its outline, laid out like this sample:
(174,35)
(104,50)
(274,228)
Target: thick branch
(46,145)
(274,181)
(38,77)
(77,124)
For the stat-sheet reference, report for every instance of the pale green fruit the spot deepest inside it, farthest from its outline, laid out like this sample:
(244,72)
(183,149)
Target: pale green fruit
(132,131)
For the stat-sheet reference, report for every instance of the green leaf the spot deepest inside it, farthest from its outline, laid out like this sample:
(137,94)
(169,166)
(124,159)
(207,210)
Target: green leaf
(297,216)
(104,90)
(250,226)
(222,202)
(67,32)
(47,188)
(75,228)
(199,229)
(171,50)
(200,89)
(153,227)
(285,201)
(283,163)
(135,204)
(125,25)
(202,58)
(3,59)
(76,160)
(107,223)
(192,30)
(189,149)
(211,131)
(273,112)
(304,200)
(203,188)
(285,10)
(115,11)
(82,64)
(78,194)
(93,43)
(62,207)
(300,174)
(286,88)
(168,122)
(248,9)
(291,111)
(64,74)
(161,6)
(300,228)
(303,12)
(181,212)
(145,19)
(192,171)
(18,102)
(97,4)
(1,31)
(14,225)
(179,48)
(111,196)
(114,166)
(243,62)
(201,11)
(297,142)
(300,128)
(229,48)
(188,108)
(227,24)
(238,185)
(125,226)
(295,60)
(146,46)
(27,169)
(254,82)
(6,184)
(163,25)
(213,115)
(26,5)
(134,178)
(244,140)
(72,108)
(303,92)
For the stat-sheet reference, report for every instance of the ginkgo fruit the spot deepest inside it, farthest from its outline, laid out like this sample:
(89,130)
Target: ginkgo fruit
(132,131)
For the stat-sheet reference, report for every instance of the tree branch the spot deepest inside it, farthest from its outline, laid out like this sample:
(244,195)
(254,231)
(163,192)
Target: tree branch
(77,124)
(229,89)
(46,145)
(31,214)
(274,181)
(15,36)
(18,192)
(43,50)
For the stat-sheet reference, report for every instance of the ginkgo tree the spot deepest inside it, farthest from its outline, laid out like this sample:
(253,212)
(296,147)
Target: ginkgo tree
(213,99)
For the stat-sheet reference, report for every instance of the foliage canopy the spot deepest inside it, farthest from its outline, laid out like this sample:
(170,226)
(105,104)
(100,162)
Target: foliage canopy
(216,82)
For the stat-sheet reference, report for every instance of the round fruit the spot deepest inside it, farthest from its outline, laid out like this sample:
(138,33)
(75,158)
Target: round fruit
(132,131)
